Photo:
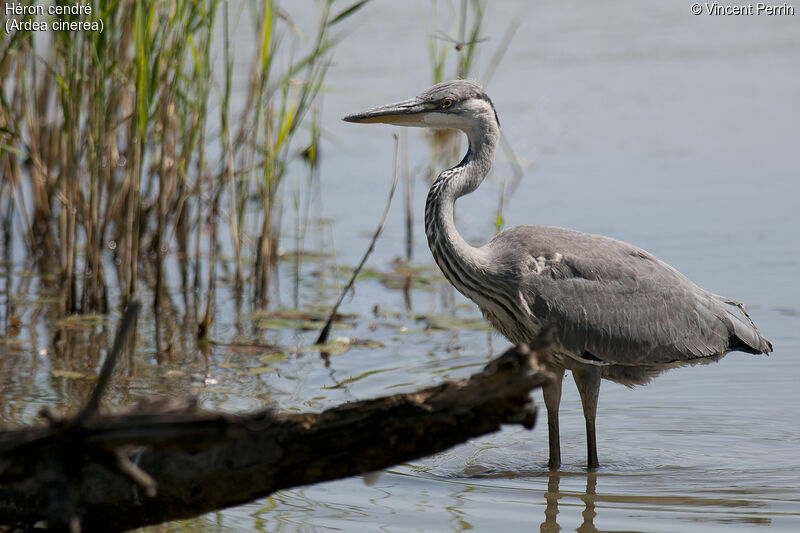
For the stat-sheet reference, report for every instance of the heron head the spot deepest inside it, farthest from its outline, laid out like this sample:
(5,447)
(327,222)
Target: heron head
(456,104)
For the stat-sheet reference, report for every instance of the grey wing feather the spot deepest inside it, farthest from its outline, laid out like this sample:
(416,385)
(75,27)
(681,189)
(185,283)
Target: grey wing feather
(614,303)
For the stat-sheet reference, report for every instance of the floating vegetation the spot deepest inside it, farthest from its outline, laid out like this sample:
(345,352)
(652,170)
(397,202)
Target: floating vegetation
(271,358)
(400,276)
(89,320)
(361,376)
(304,255)
(257,370)
(453,323)
(340,345)
(295,319)
(71,374)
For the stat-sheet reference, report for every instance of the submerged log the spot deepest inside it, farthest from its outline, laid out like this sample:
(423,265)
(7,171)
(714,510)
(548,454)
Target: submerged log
(166,459)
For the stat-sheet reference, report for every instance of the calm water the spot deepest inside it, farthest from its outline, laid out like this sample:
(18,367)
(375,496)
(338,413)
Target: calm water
(676,132)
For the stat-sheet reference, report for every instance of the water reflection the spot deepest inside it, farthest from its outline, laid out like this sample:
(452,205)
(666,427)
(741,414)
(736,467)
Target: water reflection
(518,499)
(571,500)
(553,494)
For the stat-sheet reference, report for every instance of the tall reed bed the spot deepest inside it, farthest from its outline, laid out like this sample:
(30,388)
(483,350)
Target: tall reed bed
(126,157)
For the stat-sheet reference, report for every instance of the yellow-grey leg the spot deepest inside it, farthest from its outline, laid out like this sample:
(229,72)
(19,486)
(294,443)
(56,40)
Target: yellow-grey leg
(587,378)
(552,399)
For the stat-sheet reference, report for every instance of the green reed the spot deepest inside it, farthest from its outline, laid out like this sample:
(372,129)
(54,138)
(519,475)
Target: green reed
(124,151)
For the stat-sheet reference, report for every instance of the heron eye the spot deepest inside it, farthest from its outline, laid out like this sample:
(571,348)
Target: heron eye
(446,103)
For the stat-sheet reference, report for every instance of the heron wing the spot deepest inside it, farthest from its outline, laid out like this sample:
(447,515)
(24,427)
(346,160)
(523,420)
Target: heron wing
(614,303)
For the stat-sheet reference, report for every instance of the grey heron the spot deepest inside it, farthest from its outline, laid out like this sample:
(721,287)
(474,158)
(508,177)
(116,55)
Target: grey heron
(619,312)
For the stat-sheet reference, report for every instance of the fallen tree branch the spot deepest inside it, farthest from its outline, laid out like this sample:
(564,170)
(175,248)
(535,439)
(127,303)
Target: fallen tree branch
(100,473)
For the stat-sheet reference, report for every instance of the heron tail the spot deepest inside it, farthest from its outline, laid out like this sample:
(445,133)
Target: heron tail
(745,336)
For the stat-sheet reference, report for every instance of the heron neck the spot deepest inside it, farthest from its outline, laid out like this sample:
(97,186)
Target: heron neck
(446,244)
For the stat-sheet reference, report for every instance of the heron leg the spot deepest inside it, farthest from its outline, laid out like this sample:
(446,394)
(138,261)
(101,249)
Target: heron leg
(552,399)
(587,379)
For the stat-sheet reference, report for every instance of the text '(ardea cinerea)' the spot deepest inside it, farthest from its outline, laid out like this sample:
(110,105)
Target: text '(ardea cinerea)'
(619,312)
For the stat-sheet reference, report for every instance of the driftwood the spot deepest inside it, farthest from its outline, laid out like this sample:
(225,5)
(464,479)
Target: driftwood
(166,459)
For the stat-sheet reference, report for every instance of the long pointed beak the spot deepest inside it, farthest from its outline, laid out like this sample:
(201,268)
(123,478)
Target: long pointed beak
(406,113)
